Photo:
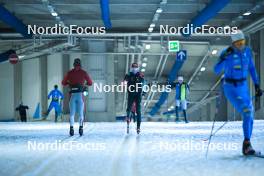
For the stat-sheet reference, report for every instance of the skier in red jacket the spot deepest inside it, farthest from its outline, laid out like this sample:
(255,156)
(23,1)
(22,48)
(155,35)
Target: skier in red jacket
(76,79)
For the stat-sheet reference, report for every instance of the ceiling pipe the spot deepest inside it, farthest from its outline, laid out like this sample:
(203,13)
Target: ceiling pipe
(209,12)
(199,67)
(106,13)
(255,26)
(14,22)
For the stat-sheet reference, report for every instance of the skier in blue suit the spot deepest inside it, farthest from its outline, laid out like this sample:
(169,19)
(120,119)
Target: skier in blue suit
(55,96)
(237,62)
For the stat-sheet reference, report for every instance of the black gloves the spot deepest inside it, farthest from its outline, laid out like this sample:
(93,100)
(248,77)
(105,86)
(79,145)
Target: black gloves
(228,51)
(258,91)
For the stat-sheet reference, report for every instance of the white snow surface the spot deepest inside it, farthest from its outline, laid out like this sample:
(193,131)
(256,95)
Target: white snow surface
(158,150)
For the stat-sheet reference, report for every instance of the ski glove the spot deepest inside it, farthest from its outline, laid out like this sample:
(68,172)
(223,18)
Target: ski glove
(228,51)
(258,91)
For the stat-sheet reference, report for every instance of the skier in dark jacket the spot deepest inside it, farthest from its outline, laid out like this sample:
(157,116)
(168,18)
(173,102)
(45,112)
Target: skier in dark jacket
(135,81)
(22,109)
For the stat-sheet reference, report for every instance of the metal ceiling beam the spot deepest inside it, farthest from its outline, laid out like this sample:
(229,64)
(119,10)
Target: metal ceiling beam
(105,11)
(199,67)
(7,17)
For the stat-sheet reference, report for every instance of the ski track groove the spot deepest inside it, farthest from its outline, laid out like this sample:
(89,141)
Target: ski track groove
(40,165)
(128,150)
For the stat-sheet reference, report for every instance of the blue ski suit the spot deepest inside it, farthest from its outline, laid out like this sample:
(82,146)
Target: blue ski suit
(55,96)
(236,65)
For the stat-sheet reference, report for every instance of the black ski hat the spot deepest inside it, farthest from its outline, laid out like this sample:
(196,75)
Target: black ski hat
(77,62)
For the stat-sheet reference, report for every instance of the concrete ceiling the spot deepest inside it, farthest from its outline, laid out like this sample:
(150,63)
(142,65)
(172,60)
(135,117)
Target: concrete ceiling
(126,15)
(131,16)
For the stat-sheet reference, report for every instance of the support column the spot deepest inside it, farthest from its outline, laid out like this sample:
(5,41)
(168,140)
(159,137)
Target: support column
(44,82)
(260,112)
(17,87)
(100,106)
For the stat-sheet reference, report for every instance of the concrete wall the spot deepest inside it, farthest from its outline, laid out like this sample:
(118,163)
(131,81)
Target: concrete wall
(100,106)
(31,85)
(7,92)
(260,112)
(54,74)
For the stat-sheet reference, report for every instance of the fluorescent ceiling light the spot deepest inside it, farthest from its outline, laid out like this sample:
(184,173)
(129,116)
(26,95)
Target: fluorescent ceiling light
(202,69)
(54,14)
(152,25)
(143,70)
(172,107)
(214,52)
(247,13)
(147,46)
(21,56)
(159,10)
(150,29)
(144,64)
(164,2)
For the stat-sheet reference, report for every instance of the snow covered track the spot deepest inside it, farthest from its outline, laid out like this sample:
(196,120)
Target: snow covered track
(160,149)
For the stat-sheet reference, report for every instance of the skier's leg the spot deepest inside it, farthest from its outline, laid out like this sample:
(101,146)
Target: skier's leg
(247,111)
(134,116)
(240,98)
(22,117)
(130,100)
(56,106)
(138,110)
(184,108)
(72,108)
(51,105)
(80,108)
(177,110)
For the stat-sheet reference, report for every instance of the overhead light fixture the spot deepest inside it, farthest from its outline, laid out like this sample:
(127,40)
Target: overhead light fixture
(172,107)
(152,25)
(214,52)
(21,56)
(147,46)
(247,13)
(54,14)
(159,10)
(145,59)
(144,64)
(202,69)
(164,2)
(150,29)
(143,70)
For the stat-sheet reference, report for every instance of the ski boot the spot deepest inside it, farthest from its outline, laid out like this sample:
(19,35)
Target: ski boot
(81,130)
(177,120)
(71,131)
(247,148)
